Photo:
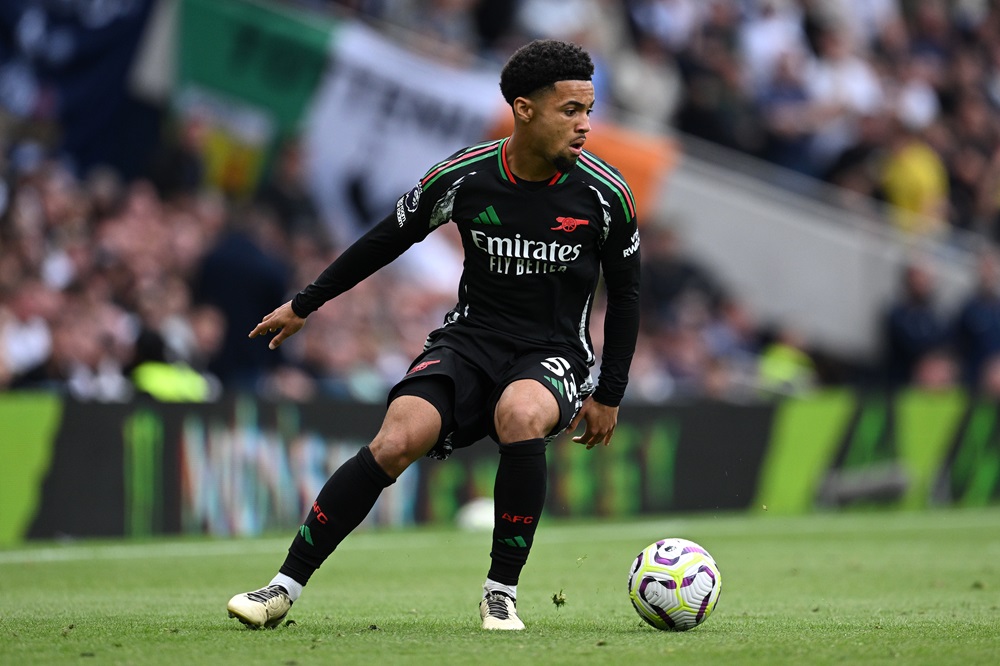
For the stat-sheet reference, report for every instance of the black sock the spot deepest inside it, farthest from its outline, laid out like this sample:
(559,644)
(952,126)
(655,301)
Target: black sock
(346,498)
(518,498)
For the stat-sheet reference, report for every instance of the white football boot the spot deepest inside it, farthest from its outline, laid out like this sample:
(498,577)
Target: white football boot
(263,608)
(499,611)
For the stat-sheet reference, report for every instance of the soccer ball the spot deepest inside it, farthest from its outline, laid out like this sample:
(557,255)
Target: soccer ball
(674,584)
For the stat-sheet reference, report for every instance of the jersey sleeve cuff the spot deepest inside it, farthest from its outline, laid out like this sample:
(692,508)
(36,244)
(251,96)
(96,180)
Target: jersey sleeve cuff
(298,309)
(607,399)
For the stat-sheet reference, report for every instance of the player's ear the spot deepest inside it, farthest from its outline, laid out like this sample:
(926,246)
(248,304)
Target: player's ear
(523,109)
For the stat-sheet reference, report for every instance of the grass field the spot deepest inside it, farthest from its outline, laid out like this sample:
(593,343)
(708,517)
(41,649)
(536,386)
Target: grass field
(855,588)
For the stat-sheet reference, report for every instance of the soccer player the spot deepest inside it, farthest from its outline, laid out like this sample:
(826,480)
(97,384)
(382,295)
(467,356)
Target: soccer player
(540,219)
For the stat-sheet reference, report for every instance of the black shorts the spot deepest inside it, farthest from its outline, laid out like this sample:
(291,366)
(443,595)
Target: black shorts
(465,391)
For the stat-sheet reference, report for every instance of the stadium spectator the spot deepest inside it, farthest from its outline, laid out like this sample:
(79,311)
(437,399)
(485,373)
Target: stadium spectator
(934,34)
(842,86)
(177,168)
(26,315)
(977,322)
(774,31)
(494,23)
(914,181)
(913,326)
(855,170)
(968,168)
(646,84)
(987,199)
(651,380)
(153,373)
(285,192)
(244,273)
(715,106)
(733,341)
(684,350)
(786,367)
(670,278)
(787,115)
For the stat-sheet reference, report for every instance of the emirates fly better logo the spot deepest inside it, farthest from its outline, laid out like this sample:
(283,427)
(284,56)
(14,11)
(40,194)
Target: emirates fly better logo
(524,256)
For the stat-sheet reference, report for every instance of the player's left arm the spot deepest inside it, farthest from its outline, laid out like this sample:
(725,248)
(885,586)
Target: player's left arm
(620,265)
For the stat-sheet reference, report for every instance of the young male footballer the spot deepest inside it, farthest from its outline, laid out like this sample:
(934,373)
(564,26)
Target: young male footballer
(541,219)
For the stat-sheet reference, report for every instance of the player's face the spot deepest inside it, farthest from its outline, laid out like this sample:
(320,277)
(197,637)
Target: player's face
(562,122)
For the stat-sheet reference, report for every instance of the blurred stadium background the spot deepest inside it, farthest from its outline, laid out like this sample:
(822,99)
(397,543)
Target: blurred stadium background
(819,189)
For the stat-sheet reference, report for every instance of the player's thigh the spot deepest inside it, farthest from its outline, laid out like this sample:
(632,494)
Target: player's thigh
(436,376)
(539,397)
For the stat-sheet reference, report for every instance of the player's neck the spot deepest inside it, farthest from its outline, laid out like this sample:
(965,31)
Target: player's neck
(525,163)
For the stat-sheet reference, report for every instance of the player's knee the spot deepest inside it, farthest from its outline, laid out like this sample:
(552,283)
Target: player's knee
(395,450)
(518,420)
(411,427)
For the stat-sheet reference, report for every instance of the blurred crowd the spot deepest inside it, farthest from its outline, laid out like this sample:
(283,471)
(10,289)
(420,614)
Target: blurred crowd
(112,287)
(889,100)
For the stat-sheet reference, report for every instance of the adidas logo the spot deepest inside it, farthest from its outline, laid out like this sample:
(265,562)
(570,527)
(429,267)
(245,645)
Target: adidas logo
(488,216)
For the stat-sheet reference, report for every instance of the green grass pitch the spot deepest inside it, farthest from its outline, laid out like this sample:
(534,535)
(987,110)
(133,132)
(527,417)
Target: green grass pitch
(849,588)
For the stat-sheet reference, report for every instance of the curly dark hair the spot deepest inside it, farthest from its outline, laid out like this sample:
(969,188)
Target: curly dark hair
(540,64)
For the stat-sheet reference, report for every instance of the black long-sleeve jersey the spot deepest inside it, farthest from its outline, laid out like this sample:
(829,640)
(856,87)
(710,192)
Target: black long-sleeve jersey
(534,253)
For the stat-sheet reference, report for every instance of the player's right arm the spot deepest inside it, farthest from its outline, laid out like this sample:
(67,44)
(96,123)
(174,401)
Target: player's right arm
(381,245)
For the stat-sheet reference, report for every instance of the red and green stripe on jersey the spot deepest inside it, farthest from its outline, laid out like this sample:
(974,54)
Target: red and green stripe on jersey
(497,149)
(603,172)
(476,153)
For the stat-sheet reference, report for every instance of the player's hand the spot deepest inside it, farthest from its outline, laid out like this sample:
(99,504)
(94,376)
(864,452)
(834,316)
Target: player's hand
(601,421)
(284,321)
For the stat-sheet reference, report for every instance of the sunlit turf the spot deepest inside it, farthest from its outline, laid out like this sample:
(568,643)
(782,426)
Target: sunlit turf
(853,588)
